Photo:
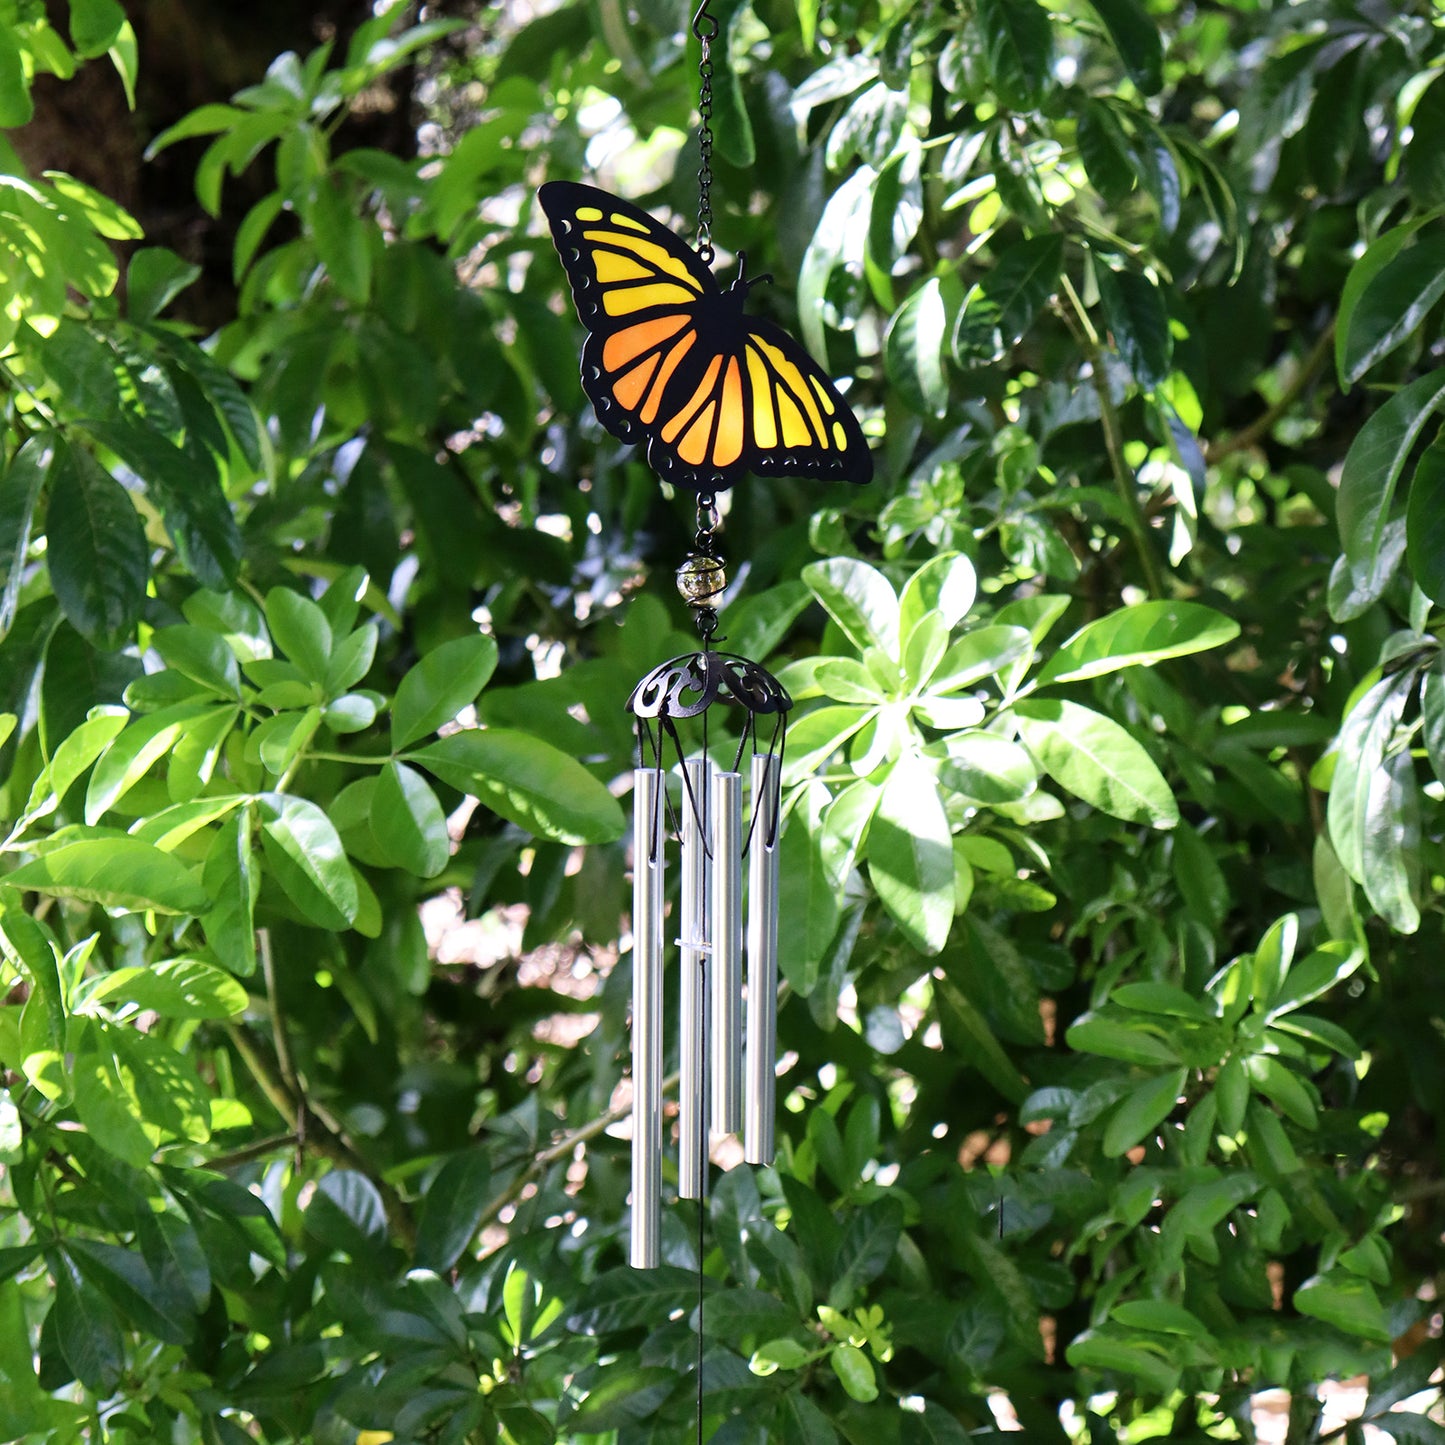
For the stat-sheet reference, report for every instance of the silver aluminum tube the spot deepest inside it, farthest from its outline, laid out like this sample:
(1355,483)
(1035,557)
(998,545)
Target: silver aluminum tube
(692,1144)
(649,839)
(726,936)
(760,1104)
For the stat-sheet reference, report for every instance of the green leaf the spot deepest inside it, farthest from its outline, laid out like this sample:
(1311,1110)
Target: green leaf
(740,1315)
(16,107)
(1425,521)
(142,744)
(1390,861)
(944,587)
(346,1213)
(305,851)
(1372,470)
(1141,1111)
(855,1371)
(1094,758)
(1100,1350)
(438,687)
(1273,958)
(910,855)
(1272,1078)
(800,1422)
(185,485)
(1139,321)
(620,1397)
(176,988)
(1023,283)
(624,1298)
(779,1354)
(20,488)
(1392,305)
(978,1043)
(115,872)
(1163,998)
(86,1328)
(1410,1429)
(1162,1316)
(300,629)
(27,946)
(868,1246)
(452,1209)
(528,782)
(913,348)
(408,823)
(986,768)
(1100,1033)
(231,880)
(1018,47)
(1367,732)
(157,1308)
(860,599)
(94,25)
(1347,1302)
(1136,38)
(1138,636)
(343,240)
(96,549)
(155,276)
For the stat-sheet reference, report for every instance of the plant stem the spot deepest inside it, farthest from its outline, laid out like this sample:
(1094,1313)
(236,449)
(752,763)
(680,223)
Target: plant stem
(1124,482)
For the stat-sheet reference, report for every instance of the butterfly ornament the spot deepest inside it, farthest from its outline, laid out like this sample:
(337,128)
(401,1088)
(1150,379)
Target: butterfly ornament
(676,364)
(673,361)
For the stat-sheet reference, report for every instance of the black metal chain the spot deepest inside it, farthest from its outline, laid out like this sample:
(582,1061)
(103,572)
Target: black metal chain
(705,27)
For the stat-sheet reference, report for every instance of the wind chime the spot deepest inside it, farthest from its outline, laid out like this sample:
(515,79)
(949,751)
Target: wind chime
(672,361)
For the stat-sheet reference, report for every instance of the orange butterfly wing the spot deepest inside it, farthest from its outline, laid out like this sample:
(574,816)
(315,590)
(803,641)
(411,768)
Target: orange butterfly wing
(672,361)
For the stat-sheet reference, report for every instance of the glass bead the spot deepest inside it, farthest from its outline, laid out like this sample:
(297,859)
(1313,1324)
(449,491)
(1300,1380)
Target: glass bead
(701,580)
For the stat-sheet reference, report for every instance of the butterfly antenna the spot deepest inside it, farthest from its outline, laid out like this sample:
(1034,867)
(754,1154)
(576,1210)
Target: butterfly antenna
(743,281)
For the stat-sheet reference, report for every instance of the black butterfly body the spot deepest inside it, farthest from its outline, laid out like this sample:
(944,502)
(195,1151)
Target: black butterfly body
(673,361)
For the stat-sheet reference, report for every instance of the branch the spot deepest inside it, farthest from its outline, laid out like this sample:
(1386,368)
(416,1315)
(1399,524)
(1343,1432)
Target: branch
(1263,424)
(560,1149)
(1124,481)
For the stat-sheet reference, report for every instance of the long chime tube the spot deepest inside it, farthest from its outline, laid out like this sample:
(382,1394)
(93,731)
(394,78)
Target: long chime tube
(726,962)
(762,1002)
(649,839)
(692,1144)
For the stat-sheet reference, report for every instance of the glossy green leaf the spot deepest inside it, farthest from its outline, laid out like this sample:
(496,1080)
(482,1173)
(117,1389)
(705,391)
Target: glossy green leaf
(1345,1301)
(1094,758)
(143,743)
(97,552)
(407,821)
(346,1213)
(1425,522)
(86,1329)
(176,988)
(16,107)
(1023,283)
(1392,305)
(20,488)
(300,629)
(859,599)
(1138,320)
(116,872)
(1100,1350)
(343,240)
(231,879)
(986,768)
(1098,1033)
(620,1397)
(1390,842)
(855,1372)
(944,587)
(1136,38)
(1372,471)
(913,349)
(438,687)
(1142,1110)
(910,856)
(526,781)
(305,852)
(1138,636)
(1018,46)
(800,1422)
(1162,1316)
(1368,729)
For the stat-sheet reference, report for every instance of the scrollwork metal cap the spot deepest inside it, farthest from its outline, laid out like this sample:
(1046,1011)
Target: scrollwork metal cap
(688,685)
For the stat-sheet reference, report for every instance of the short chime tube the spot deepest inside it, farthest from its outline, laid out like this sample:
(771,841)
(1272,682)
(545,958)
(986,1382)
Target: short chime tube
(649,839)
(726,937)
(692,1151)
(762,1003)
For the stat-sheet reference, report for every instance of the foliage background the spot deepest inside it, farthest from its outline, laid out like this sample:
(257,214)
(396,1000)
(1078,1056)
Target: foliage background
(1113,1008)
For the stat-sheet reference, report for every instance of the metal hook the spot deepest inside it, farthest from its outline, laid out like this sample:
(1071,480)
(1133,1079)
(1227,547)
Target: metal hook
(703,14)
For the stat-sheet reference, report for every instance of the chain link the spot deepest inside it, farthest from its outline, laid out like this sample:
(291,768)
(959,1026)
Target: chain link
(705,27)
